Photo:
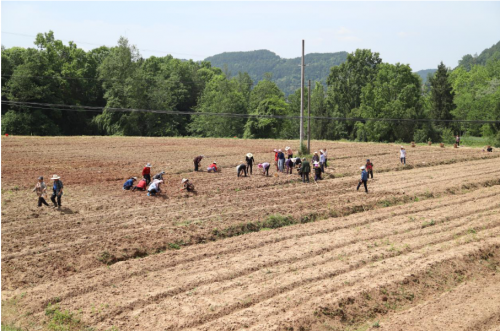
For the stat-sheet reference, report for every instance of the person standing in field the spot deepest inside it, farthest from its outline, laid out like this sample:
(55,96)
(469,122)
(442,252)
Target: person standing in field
(265,168)
(197,161)
(364,179)
(57,191)
(141,186)
(326,157)
(369,168)
(281,160)
(315,157)
(317,171)
(250,161)
(457,140)
(212,167)
(241,169)
(289,152)
(41,191)
(322,160)
(146,173)
(129,183)
(276,159)
(305,169)
(402,155)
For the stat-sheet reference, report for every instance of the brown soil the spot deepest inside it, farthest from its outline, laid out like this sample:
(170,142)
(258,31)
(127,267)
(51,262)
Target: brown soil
(435,215)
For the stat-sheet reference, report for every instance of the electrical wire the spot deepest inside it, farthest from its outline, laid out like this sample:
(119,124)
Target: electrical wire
(47,106)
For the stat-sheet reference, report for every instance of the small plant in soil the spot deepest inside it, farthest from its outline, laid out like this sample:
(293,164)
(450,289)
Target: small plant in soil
(376,324)
(427,224)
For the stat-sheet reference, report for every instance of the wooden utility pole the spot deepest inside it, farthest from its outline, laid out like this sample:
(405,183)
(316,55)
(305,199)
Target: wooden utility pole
(309,118)
(302,66)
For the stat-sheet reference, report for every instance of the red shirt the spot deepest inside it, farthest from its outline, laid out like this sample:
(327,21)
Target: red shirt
(141,184)
(369,166)
(213,165)
(146,171)
(276,156)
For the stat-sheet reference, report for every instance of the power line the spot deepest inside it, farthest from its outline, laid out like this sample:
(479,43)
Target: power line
(48,106)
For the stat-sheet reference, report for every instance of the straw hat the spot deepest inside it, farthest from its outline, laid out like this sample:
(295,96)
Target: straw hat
(134,178)
(402,147)
(315,152)
(55,177)
(321,151)
(148,165)
(287,148)
(316,163)
(294,159)
(362,168)
(215,162)
(184,180)
(249,155)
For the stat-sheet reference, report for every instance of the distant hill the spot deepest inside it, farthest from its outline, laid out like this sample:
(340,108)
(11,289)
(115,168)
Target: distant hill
(424,74)
(285,72)
(468,60)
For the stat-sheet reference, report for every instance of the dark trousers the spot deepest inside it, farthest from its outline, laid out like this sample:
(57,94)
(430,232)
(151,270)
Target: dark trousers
(458,143)
(317,177)
(153,192)
(42,200)
(147,178)
(266,170)
(289,170)
(364,183)
(370,173)
(305,177)
(53,198)
(326,162)
(138,188)
(290,156)
(249,168)
(322,166)
(403,160)
(196,165)
(242,169)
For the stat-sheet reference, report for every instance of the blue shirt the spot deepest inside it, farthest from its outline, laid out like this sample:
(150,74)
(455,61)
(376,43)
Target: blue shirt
(58,185)
(364,175)
(128,183)
(281,156)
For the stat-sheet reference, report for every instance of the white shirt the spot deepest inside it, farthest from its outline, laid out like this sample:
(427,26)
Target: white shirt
(403,153)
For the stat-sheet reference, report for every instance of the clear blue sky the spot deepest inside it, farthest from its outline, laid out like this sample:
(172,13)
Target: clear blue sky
(418,33)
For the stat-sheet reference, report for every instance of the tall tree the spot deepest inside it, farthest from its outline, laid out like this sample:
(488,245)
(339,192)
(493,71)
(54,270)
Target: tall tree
(441,95)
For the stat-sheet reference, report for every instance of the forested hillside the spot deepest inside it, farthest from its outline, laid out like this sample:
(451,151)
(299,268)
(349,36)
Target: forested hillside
(424,74)
(492,53)
(285,72)
(59,89)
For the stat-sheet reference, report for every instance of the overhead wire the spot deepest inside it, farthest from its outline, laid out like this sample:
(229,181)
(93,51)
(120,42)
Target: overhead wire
(47,106)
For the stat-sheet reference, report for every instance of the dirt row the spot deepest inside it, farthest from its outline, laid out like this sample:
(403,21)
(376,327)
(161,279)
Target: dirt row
(286,278)
(45,245)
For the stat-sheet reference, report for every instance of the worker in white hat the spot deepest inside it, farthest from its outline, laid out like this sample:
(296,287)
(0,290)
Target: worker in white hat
(188,186)
(402,155)
(364,179)
(57,191)
(146,173)
(250,161)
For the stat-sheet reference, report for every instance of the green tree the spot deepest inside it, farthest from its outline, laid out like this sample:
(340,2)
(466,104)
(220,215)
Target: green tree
(441,95)
(267,127)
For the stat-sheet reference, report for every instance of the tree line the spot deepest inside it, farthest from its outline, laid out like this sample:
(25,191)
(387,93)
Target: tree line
(119,77)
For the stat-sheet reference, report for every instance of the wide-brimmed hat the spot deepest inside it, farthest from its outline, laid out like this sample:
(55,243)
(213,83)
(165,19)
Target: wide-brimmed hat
(215,162)
(134,178)
(148,165)
(279,150)
(362,168)
(184,180)
(249,155)
(316,163)
(402,147)
(287,148)
(315,152)
(321,151)
(294,159)
(55,177)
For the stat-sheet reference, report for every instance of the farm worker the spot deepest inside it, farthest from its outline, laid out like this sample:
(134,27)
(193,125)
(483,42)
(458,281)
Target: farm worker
(41,191)
(241,168)
(188,186)
(141,186)
(322,160)
(317,171)
(159,175)
(289,166)
(154,187)
(57,189)
(305,169)
(250,161)
(326,157)
(364,179)
(129,183)
(369,168)
(212,167)
(289,152)
(146,173)
(402,155)
(197,161)
(276,159)
(315,157)
(281,160)
(265,168)
(457,140)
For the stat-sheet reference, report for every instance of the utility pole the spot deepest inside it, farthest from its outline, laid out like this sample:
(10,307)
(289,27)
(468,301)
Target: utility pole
(309,118)
(302,66)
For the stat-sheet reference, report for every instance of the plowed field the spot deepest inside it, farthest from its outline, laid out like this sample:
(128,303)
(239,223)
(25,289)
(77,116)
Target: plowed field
(420,251)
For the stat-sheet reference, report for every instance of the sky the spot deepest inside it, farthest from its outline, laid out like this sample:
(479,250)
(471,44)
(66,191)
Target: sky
(421,34)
